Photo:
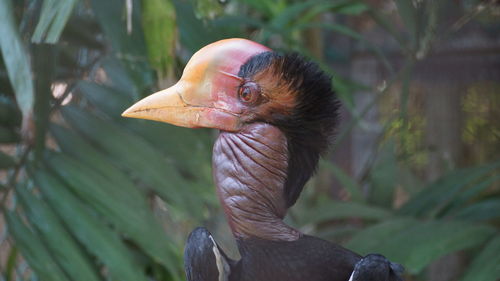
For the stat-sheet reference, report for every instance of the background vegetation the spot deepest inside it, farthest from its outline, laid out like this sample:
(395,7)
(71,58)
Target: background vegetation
(87,195)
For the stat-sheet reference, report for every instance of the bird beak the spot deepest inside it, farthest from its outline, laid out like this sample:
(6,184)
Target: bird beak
(206,94)
(170,106)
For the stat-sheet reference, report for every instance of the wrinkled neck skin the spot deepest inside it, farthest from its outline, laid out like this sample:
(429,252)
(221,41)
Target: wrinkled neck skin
(250,169)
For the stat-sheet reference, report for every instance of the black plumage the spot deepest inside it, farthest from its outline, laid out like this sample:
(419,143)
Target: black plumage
(308,258)
(375,267)
(203,259)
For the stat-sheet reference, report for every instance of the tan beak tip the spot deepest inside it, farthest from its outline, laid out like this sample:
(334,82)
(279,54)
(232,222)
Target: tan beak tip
(128,113)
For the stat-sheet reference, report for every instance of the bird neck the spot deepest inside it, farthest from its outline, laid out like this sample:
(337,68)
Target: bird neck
(250,170)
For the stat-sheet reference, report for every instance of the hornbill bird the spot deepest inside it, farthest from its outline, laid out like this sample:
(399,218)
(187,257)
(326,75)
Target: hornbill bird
(276,114)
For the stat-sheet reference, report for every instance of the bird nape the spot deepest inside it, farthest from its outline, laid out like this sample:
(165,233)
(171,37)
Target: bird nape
(276,114)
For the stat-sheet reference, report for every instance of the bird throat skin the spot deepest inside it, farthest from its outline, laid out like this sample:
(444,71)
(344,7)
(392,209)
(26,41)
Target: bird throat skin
(250,170)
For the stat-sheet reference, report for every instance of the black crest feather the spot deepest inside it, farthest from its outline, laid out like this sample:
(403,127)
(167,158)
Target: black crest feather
(311,125)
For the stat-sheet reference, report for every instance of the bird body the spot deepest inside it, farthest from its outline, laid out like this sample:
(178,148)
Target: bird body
(307,258)
(276,114)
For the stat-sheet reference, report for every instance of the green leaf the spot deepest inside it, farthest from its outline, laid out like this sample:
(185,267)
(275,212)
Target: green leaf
(416,244)
(345,89)
(440,193)
(383,21)
(80,32)
(62,246)
(158,22)
(369,239)
(6,161)
(383,176)
(330,210)
(295,13)
(44,66)
(108,99)
(118,78)
(53,18)
(8,135)
(236,21)
(344,30)
(129,47)
(408,14)
(176,143)
(119,202)
(471,192)
(138,157)
(112,102)
(164,137)
(482,211)
(351,8)
(33,249)
(208,9)
(338,7)
(436,239)
(16,58)
(112,17)
(11,263)
(429,17)
(485,266)
(191,27)
(10,116)
(68,140)
(269,8)
(289,13)
(347,182)
(405,92)
(89,230)
(337,232)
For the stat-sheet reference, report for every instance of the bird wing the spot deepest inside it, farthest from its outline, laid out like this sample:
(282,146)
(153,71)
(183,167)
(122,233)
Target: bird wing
(375,267)
(204,260)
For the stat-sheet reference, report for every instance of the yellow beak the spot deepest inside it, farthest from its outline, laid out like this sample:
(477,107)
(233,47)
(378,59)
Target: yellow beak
(169,106)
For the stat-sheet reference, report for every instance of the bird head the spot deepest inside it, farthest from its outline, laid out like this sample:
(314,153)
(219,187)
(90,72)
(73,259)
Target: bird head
(233,83)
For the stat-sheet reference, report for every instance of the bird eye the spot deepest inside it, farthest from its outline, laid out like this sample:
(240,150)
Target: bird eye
(249,92)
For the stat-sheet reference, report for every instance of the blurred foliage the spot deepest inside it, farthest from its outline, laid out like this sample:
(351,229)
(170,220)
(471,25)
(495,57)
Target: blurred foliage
(479,108)
(88,195)
(158,21)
